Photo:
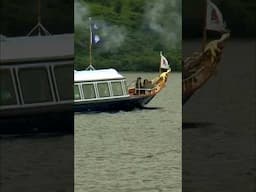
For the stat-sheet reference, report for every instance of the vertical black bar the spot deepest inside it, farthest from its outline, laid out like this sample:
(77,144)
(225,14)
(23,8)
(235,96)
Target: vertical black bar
(219,117)
(37,139)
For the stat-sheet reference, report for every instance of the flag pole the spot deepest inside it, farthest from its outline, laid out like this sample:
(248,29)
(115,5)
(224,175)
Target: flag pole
(39,26)
(204,27)
(160,62)
(39,16)
(90,44)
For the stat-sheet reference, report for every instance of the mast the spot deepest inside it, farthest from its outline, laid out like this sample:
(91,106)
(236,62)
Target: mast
(39,15)
(90,44)
(160,62)
(204,26)
(161,55)
(39,25)
(90,67)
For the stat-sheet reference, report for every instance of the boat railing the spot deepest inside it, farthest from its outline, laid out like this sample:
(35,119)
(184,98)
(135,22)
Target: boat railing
(142,91)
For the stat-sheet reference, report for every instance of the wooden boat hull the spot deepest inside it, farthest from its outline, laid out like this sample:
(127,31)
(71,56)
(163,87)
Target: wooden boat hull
(121,104)
(190,86)
(200,67)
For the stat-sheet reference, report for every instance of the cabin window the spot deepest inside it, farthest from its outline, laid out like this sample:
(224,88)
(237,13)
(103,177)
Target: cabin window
(77,93)
(125,87)
(35,85)
(103,90)
(117,88)
(7,91)
(89,92)
(64,78)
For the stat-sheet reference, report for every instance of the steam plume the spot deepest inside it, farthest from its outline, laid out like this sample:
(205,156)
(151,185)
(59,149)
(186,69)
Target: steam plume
(164,17)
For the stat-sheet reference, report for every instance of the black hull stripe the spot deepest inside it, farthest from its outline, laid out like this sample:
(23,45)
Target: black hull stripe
(22,62)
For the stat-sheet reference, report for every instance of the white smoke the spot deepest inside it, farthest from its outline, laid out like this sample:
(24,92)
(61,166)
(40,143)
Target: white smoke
(112,36)
(164,17)
(81,14)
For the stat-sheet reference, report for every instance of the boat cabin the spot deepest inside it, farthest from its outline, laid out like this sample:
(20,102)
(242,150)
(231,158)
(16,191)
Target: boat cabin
(101,84)
(35,72)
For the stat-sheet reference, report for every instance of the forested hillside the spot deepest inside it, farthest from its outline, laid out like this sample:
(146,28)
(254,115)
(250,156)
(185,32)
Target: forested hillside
(132,33)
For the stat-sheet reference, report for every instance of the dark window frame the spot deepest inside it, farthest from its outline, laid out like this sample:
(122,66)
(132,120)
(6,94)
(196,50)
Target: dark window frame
(51,98)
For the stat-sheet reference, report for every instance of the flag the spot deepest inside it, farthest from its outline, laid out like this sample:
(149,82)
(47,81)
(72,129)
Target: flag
(95,38)
(214,19)
(164,62)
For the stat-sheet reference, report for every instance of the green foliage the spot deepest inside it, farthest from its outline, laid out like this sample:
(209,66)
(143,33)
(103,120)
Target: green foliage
(139,50)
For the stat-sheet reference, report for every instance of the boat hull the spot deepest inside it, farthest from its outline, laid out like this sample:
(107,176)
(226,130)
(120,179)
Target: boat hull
(200,67)
(59,118)
(121,104)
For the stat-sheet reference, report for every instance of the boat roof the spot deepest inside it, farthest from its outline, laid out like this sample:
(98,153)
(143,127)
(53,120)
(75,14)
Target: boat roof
(97,75)
(36,48)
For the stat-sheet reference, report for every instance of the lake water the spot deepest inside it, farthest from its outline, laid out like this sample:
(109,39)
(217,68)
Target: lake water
(38,163)
(137,151)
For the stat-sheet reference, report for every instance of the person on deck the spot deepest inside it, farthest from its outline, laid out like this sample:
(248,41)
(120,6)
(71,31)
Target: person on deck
(138,85)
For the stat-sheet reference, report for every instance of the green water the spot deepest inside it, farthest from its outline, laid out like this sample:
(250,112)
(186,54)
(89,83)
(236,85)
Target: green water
(131,151)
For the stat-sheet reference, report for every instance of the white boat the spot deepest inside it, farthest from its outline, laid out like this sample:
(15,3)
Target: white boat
(107,90)
(36,75)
